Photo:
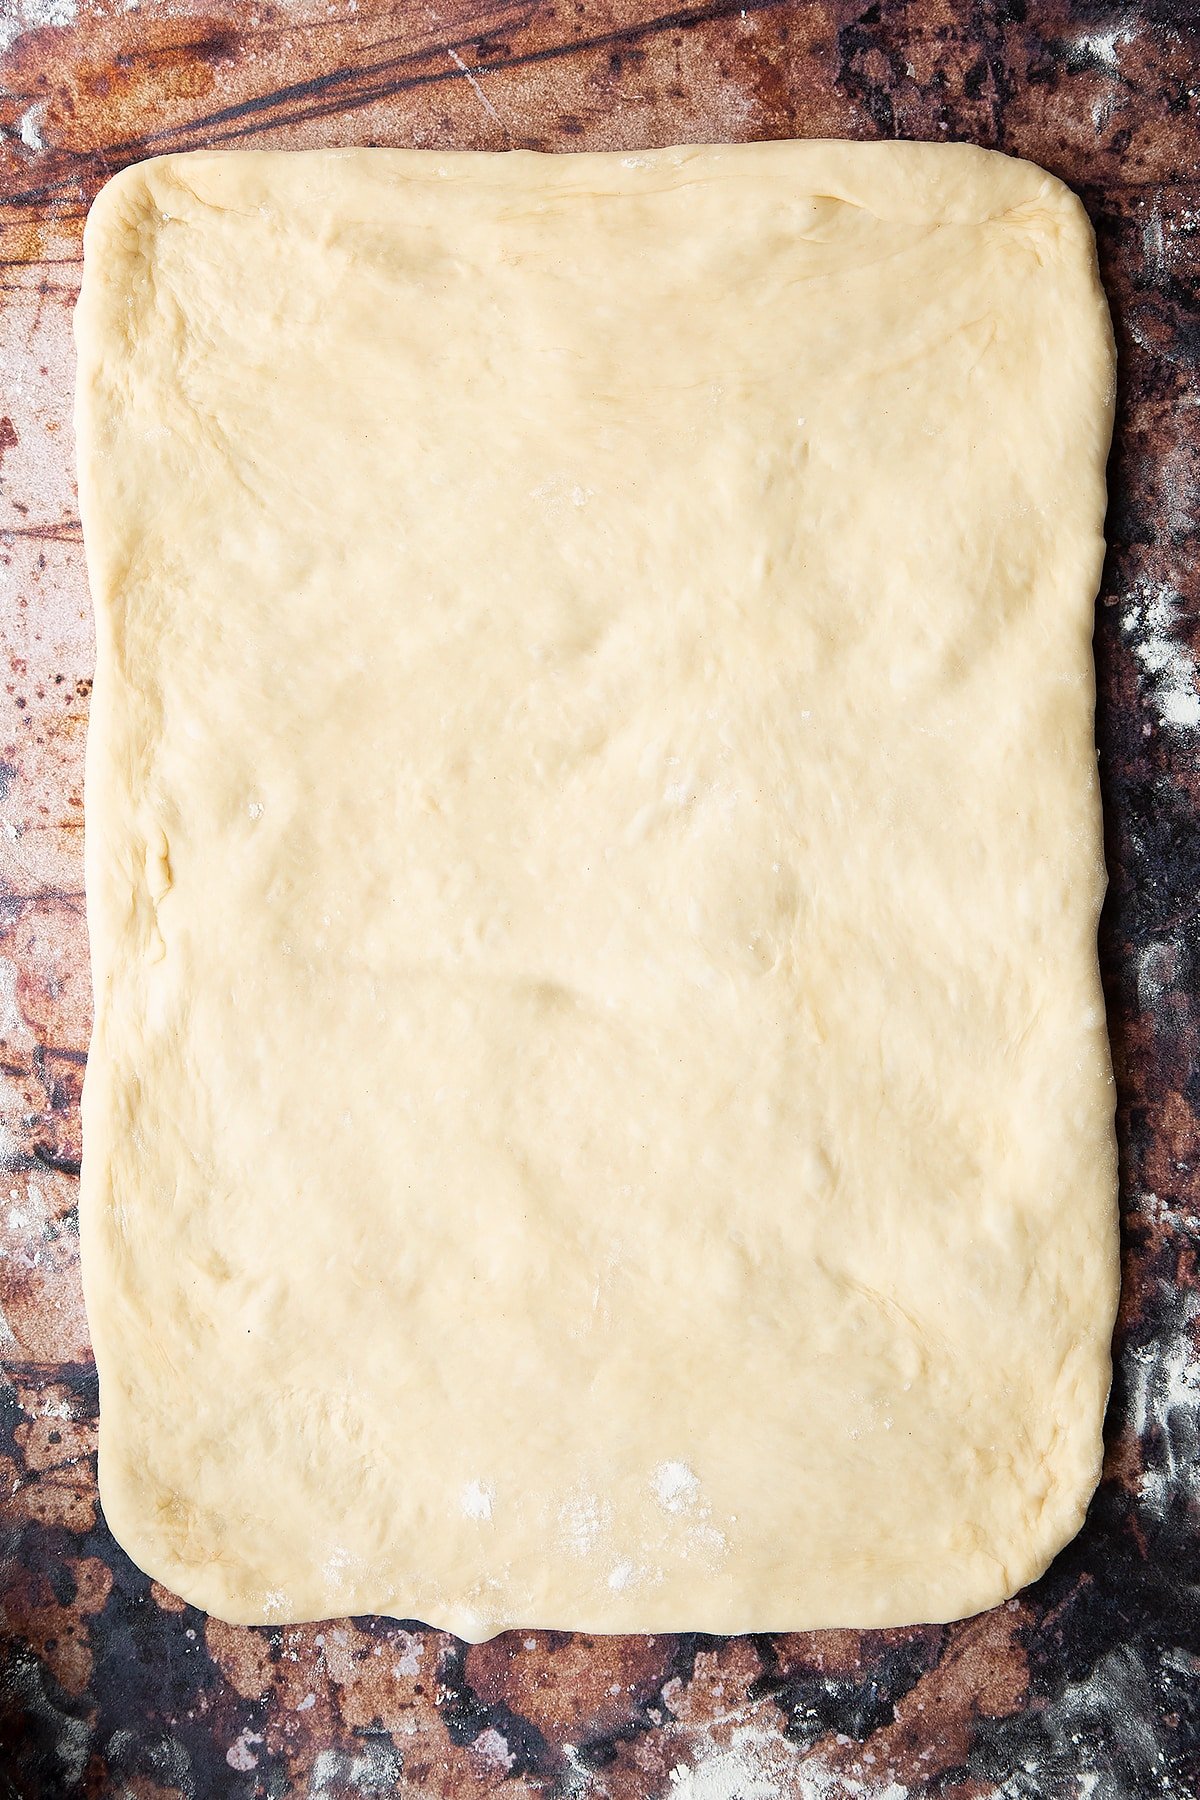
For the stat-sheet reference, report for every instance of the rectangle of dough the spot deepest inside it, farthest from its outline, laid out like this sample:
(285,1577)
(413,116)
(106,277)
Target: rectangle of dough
(599,1113)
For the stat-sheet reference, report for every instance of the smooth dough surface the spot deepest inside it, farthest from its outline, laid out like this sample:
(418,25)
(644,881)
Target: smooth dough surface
(600,1112)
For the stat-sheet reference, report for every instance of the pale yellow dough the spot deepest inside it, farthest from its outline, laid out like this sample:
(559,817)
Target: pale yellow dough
(600,1112)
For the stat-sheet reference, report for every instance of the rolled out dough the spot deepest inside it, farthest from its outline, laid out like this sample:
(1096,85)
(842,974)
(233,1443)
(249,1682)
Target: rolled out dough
(600,1112)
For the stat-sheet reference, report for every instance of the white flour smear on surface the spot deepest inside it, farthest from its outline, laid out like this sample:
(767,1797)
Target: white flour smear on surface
(1102,48)
(1158,968)
(1164,1396)
(29,126)
(20,16)
(378,1769)
(753,1762)
(757,1764)
(11,1021)
(1168,673)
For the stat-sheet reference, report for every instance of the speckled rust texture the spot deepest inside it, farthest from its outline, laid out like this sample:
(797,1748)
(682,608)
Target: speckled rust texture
(1089,1683)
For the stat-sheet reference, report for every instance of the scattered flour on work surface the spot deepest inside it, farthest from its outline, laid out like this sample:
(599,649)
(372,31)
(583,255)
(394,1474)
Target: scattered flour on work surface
(1168,668)
(31,15)
(1163,1379)
(762,1765)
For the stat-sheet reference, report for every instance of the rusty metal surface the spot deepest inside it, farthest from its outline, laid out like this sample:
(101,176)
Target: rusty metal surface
(1089,1683)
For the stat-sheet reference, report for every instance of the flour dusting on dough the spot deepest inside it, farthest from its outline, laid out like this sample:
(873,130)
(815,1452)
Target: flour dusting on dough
(560,491)
(476,1500)
(676,1486)
(583,1516)
(338,1566)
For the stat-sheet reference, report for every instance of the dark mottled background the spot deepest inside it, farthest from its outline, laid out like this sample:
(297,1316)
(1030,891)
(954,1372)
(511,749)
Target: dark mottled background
(1089,1683)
